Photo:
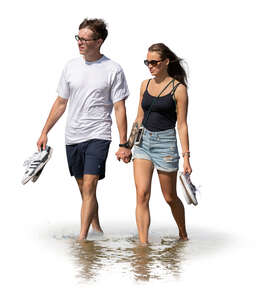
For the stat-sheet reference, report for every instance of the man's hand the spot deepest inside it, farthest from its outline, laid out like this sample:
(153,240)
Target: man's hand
(124,154)
(42,142)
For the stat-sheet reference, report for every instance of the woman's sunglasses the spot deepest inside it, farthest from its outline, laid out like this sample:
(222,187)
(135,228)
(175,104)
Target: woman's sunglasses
(152,62)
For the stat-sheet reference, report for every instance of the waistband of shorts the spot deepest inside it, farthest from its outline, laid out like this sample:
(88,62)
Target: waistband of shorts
(171,131)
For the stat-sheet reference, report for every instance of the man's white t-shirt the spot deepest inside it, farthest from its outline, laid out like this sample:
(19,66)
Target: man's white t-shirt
(92,88)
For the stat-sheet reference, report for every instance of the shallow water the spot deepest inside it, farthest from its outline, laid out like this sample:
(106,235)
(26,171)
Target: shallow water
(153,261)
(165,258)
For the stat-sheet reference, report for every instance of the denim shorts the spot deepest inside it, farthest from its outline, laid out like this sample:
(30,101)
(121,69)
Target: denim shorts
(88,158)
(161,148)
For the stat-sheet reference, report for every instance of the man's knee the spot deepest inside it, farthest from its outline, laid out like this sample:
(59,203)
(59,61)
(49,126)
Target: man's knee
(90,184)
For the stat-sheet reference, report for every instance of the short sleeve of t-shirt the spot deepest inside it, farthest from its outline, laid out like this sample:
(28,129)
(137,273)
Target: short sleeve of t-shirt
(63,86)
(119,87)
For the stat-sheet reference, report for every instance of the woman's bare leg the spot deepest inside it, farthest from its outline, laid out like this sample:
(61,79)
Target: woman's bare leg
(168,186)
(143,170)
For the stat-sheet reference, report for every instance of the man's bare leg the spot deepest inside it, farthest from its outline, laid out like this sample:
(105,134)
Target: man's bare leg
(95,220)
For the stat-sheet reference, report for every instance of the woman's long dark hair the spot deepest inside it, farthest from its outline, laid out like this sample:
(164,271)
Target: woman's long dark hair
(175,69)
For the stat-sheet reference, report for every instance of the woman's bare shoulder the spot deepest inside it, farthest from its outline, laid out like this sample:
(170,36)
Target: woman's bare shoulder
(144,82)
(181,89)
(143,85)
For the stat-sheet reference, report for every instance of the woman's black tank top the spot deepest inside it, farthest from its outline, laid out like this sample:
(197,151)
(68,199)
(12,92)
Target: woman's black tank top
(162,115)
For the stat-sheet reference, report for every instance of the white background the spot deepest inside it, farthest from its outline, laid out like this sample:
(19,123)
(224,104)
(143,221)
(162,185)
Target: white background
(216,39)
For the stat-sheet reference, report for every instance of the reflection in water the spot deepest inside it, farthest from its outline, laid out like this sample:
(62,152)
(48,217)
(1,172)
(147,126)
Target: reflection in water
(88,256)
(157,260)
(165,258)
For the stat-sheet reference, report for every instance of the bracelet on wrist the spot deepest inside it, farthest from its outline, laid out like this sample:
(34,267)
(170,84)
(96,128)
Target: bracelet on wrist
(186,153)
(125,145)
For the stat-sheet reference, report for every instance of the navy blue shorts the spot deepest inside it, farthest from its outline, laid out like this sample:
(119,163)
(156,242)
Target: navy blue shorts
(88,158)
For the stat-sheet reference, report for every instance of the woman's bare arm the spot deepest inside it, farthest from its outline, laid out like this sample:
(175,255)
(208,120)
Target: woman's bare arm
(182,109)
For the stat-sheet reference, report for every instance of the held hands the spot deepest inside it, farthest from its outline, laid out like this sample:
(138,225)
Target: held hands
(124,154)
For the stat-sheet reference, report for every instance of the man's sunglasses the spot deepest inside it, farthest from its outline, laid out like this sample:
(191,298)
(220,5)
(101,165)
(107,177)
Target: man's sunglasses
(152,62)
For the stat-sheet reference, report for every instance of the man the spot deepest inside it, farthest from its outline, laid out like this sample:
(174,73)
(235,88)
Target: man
(93,84)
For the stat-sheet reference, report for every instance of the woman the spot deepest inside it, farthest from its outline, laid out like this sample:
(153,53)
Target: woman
(163,101)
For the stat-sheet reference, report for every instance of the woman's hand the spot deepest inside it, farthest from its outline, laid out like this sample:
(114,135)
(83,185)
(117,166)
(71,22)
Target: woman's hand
(186,166)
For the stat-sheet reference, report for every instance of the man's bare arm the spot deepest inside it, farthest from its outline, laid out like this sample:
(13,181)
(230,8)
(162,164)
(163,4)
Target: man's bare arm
(121,121)
(57,110)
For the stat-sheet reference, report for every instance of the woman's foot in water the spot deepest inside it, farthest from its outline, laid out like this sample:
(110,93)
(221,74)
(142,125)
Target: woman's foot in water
(183,236)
